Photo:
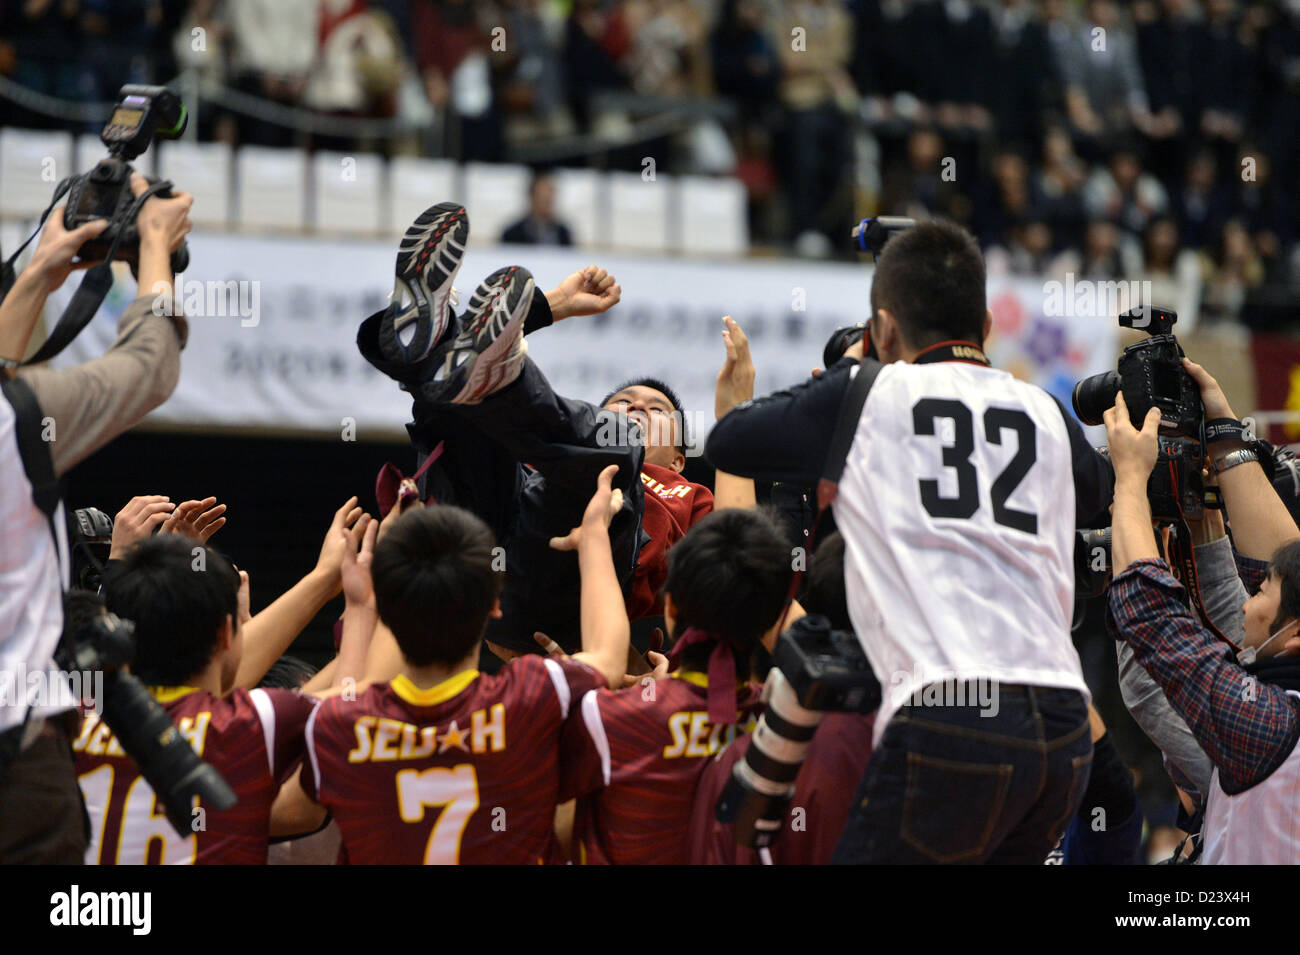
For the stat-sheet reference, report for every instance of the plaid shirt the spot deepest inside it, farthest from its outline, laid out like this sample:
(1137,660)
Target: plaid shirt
(1247,728)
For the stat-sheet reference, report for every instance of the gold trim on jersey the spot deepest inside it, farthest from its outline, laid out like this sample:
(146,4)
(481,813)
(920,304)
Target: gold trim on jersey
(691,676)
(169,694)
(434,695)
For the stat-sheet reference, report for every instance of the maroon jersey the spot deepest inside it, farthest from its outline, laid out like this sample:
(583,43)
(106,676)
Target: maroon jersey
(254,738)
(632,757)
(466,772)
(823,794)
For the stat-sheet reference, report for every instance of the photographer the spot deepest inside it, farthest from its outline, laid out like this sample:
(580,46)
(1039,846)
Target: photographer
(960,492)
(1243,711)
(51,420)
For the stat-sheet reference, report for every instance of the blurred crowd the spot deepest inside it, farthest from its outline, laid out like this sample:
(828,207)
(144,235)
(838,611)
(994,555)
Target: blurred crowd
(1106,138)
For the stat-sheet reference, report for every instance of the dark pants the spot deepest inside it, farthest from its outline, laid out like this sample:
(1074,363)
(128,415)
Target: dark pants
(949,785)
(526,460)
(42,817)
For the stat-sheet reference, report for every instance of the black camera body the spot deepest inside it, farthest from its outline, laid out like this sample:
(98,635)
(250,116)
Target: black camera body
(1150,374)
(826,668)
(869,235)
(817,669)
(142,115)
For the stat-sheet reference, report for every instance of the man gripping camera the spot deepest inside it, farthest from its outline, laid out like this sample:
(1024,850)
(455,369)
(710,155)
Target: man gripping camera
(960,492)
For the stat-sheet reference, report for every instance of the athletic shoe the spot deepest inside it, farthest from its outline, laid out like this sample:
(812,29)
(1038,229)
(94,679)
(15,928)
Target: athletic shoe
(488,352)
(402,340)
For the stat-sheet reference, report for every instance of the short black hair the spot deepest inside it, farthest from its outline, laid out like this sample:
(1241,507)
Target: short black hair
(729,575)
(931,279)
(1284,568)
(178,593)
(435,583)
(669,393)
(824,589)
(288,673)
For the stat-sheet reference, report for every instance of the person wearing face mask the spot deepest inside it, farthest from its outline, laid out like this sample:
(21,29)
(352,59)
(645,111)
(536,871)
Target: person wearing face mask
(1239,696)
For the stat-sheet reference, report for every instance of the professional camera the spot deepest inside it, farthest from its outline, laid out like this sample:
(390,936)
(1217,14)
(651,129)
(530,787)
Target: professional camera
(1151,375)
(141,115)
(869,235)
(101,642)
(90,538)
(816,670)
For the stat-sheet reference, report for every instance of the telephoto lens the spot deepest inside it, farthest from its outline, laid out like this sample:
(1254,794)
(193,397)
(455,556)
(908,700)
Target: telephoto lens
(1093,395)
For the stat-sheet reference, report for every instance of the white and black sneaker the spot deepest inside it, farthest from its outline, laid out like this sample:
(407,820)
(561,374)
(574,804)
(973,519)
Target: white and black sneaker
(489,350)
(402,339)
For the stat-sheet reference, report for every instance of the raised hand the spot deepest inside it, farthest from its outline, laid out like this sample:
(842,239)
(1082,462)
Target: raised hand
(136,521)
(736,379)
(358,586)
(588,291)
(1132,452)
(198,520)
(53,258)
(337,541)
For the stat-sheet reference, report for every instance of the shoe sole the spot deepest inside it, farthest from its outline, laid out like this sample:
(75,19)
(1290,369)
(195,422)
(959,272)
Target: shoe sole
(427,262)
(492,335)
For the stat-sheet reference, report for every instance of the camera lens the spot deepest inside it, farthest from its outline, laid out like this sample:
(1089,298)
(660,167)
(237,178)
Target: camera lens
(1092,396)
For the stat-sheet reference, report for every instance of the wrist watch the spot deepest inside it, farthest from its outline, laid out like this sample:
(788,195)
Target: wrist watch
(1230,460)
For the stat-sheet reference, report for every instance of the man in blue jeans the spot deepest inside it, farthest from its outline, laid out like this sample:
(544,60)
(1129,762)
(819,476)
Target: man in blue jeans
(958,502)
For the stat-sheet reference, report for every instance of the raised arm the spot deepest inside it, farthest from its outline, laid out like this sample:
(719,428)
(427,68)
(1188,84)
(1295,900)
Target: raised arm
(735,386)
(268,634)
(1260,521)
(606,633)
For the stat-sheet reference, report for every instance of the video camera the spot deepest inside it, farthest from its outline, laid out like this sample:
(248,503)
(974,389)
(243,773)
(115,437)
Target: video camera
(141,115)
(816,670)
(104,643)
(1150,374)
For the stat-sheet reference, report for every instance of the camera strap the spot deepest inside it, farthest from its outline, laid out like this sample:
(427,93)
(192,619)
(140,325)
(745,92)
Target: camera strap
(94,287)
(828,486)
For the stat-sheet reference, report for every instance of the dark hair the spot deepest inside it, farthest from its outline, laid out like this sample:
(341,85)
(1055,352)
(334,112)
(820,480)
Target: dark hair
(729,575)
(1285,570)
(178,593)
(824,589)
(931,279)
(667,392)
(288,673)
(435,584)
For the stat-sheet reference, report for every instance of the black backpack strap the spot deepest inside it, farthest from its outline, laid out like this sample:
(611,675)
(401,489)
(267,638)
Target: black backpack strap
(846,427)
(34,451)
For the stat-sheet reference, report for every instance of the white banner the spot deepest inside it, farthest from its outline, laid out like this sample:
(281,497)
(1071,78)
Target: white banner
(273,324)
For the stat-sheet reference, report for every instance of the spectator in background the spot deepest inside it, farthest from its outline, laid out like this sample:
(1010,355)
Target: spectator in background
(1174,272)
(531,87)
(1234,271)
(1201,205)
(1107,253)
(1027,249)
(358,69)
(540,226)
(746,68)
(1169,42)
(117,36)
(1060,182)
(1230,66)
(916,186)
(38,37)
(1123,193)
(815,42)
(589,64)
(273,47)
(1009,197)
(669,51)
(1021,84)
(1104,92)
(1264,208)
(451,51)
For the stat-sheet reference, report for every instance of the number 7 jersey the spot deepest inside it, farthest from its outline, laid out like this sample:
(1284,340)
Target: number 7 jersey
(463,772)
(957,506)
